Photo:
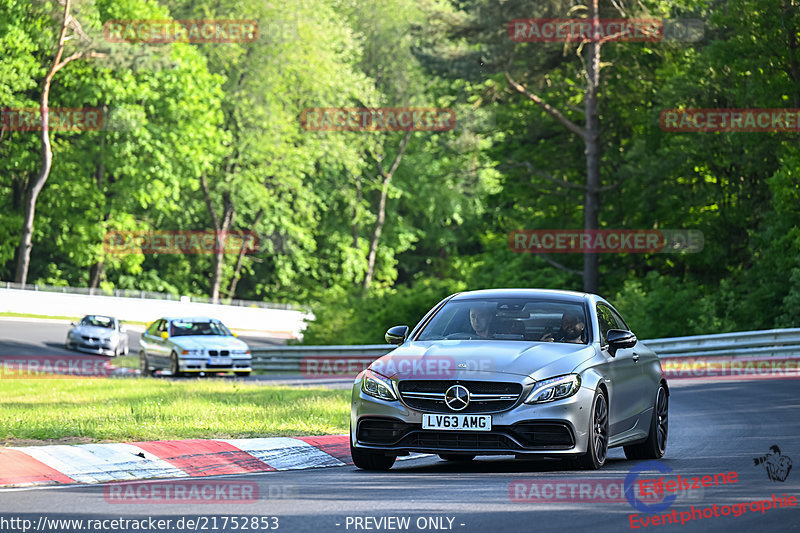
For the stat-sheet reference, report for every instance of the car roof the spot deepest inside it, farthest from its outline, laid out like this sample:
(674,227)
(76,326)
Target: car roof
(189,318)
(523,293)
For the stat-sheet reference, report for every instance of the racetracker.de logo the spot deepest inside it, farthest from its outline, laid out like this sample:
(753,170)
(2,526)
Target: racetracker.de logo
(731,368)
(53,367)
(58,119)
(180,242)
(402,366)
(188,491)
(180,31)
(578,30)
(730,120)
(378,119)
(606,241)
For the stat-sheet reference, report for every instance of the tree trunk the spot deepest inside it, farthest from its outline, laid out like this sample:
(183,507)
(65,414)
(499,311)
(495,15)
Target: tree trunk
(34,187)
(381,215)
(238,270)
(221,229)
(591,205)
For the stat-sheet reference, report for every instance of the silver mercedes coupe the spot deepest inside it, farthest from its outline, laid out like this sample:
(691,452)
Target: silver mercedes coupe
(523,372)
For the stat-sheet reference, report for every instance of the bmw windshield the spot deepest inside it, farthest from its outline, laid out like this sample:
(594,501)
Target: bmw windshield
(508,319)
(185,328)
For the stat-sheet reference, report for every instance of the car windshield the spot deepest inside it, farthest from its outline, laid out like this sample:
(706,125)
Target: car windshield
(183,328)
(508,319)
(98,321)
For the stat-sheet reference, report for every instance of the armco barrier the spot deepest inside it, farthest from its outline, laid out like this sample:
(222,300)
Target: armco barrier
(771,343)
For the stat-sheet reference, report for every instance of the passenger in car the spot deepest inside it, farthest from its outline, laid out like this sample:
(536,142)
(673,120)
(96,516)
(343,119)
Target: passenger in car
(572,328)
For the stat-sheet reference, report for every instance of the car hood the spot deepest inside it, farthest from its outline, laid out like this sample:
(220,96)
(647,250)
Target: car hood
(93,331)
(477,359)
(209,342)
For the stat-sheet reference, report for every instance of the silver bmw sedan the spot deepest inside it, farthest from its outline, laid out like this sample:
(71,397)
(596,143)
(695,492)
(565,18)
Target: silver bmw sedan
(522,372)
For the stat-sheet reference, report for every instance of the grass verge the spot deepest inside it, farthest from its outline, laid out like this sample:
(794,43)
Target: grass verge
(93,410)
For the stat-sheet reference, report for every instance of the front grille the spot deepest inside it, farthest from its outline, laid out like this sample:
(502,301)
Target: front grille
(215,352)
(485,396)
(457,440)
(95,339)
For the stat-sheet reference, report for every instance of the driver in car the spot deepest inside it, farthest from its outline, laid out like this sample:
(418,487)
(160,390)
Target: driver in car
(571,330)
(480,318)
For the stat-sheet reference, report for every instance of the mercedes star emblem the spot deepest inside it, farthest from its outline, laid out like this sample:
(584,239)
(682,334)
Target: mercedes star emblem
(457,397)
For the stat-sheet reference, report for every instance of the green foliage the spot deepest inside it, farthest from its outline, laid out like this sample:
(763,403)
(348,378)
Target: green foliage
(230,112)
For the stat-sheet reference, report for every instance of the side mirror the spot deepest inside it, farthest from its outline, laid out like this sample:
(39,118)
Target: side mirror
(164,335)
(73,324)
(619,339)
(396,335)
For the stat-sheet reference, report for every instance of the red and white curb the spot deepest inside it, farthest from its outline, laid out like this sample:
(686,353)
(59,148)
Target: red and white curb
(100,463)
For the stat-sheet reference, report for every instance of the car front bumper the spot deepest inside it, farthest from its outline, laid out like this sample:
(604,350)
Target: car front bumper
(202,364)
(557,428)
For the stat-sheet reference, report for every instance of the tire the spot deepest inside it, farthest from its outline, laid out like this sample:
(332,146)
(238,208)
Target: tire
(117,351)
(127,349)
(656,444)
(242,374)
(597,454)
(144,365)
(368,460)
(173,366)
(456,458)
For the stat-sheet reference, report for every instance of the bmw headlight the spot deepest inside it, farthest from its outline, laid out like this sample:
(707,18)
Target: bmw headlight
(192,352)
(240,352)
(377,386)
(556,388)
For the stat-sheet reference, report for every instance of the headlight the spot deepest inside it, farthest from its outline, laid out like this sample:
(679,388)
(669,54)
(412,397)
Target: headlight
(240,352)
(556,388)
(192,352)
(377,386)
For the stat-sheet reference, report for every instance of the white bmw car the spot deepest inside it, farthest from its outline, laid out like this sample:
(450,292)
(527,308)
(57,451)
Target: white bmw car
(192,346)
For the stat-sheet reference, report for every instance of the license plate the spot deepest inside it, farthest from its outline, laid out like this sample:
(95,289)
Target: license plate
(458,422)
(219,361)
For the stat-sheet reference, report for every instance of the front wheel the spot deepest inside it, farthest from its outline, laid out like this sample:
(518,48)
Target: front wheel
(174,368)
(242,374)
(596,455)
(369,460)
(656,443)
(144,365)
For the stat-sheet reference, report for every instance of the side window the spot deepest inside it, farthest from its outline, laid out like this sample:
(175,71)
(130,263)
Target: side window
(153,327)
(618,319)
(606,320)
